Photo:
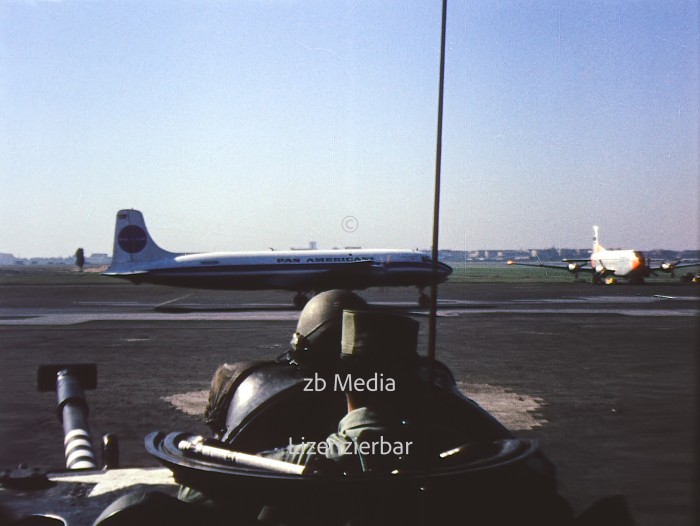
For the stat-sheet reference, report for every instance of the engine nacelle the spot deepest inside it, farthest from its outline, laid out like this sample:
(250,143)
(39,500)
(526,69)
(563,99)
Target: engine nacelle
(574,267)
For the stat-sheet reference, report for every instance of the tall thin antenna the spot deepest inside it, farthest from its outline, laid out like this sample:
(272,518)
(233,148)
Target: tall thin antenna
(436,207)
(432,324)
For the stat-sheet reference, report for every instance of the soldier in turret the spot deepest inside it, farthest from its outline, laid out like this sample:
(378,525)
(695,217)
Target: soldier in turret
(376,371)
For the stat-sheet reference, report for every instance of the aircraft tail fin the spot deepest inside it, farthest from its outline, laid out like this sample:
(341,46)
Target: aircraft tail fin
(133,246)
(597,247)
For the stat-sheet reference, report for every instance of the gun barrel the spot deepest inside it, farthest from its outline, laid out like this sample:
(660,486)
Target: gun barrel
(74,413)
(69,381)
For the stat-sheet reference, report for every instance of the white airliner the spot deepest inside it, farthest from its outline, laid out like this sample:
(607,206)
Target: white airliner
(138,258)
(607,266)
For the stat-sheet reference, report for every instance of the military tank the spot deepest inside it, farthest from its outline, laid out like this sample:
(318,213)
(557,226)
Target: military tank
(476,469)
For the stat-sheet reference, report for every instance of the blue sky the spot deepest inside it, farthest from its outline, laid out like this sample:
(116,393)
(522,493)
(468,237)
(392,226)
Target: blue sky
(247,125)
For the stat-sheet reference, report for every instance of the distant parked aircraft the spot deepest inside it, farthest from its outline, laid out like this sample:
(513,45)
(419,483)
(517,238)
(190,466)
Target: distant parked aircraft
(607,266)
(139,259)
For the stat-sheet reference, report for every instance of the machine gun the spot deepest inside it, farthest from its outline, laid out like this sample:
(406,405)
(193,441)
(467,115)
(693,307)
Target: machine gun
(78,494)
(85,493)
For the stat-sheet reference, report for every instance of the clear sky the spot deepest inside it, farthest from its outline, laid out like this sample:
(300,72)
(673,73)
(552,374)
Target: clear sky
(243,125)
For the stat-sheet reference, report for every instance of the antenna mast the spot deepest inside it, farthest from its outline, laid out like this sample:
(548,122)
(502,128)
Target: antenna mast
(436,207)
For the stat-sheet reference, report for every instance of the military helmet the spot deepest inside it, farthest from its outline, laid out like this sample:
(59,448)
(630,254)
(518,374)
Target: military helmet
(316,341)
(378,341)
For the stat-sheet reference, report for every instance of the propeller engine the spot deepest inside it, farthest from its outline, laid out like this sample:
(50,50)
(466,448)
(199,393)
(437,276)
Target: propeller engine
(575,268)
(670,267)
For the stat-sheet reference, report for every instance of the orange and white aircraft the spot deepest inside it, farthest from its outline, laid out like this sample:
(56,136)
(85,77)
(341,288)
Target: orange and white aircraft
(607,266)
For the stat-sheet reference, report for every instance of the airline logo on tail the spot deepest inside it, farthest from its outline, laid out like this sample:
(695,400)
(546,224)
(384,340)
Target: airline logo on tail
(132,239)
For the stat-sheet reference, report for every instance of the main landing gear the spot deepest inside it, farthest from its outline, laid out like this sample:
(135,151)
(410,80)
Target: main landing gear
(300,300)
(598,279)
(423,300)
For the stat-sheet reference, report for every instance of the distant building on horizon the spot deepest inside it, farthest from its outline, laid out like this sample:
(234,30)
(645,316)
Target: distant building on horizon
(7,259)
(94,259)
(98,259)
(445,255)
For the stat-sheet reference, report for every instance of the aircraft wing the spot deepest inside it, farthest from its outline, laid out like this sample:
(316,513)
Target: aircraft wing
(110,272)
(354,266)
(341,268)
(570,266)
(670,267)
(311,277)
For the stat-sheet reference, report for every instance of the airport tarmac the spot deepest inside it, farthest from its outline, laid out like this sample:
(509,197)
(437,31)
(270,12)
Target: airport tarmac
(603,377)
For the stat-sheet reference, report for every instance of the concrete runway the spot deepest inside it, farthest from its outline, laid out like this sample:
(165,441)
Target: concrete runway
(604,377)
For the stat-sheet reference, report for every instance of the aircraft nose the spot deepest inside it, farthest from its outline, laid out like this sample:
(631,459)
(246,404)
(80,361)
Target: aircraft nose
(444,270)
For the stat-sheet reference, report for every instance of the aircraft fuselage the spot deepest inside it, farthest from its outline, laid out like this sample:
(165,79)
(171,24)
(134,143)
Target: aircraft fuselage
(294,271)
(139,259)
(621,263)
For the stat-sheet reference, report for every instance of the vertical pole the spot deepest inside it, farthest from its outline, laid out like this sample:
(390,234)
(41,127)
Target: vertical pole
(436,206)
(426,497)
